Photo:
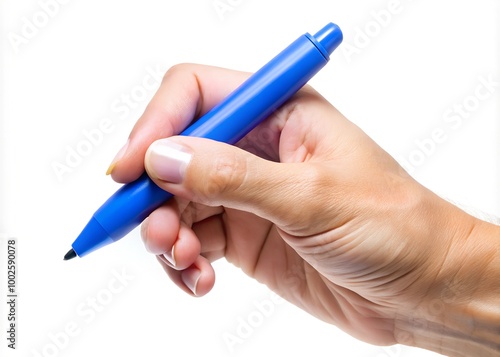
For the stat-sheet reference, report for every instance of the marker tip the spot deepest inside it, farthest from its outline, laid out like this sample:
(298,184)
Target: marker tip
(70,255)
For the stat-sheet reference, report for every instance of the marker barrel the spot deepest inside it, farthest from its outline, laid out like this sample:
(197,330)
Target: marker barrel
(247,106)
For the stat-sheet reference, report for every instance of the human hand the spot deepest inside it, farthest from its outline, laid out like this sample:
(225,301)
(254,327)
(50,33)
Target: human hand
(311,207)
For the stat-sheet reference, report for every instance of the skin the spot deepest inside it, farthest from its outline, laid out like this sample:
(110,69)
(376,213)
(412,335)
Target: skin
(310,206)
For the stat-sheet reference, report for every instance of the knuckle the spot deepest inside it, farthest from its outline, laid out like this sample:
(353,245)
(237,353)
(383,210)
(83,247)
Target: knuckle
(317,179)
(177,69)
(225,175)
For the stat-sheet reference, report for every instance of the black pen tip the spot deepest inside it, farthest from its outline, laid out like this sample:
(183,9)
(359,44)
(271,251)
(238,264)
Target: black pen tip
(70,255)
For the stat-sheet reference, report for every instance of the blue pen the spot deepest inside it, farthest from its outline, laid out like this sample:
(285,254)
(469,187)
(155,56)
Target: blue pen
(229,121)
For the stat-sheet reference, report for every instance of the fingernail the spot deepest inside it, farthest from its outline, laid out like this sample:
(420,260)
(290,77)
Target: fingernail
(167,160)
(190,277)
(117,158)
(170,256)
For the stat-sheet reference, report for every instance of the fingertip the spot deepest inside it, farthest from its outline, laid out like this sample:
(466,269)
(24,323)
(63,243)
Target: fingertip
(196,280)
(110,169)
(185,249)
(199,278)
(126,166)
(119,156)
(128,169)
(191,277)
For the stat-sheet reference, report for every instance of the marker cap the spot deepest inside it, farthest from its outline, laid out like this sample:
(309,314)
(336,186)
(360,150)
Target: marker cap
(329,37)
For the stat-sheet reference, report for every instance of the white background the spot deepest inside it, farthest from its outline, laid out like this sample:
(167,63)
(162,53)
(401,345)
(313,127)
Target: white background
(67,75)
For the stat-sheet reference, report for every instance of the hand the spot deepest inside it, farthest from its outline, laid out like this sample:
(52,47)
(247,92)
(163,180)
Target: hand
(307,204)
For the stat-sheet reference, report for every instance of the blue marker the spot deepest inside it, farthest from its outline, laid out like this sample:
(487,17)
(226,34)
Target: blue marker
(252,102)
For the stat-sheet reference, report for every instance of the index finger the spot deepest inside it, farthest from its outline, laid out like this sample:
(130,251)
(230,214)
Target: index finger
(187,91)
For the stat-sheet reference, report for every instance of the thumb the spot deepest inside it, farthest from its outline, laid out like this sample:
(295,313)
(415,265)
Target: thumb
(215,174)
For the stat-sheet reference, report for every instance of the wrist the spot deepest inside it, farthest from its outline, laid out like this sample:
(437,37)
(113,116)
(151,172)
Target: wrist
(460,314)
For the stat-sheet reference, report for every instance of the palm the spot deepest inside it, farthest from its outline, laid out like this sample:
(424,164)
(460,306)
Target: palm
(256,246)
